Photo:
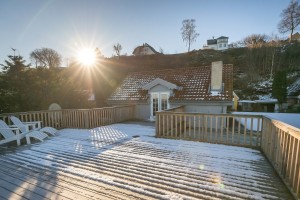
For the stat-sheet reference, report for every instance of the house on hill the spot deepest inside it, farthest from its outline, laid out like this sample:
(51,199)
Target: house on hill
(206,89)
(145,49)
(296,37)
(221,43)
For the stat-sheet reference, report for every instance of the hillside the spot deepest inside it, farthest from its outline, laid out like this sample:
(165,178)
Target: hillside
(252,66)
(253,75)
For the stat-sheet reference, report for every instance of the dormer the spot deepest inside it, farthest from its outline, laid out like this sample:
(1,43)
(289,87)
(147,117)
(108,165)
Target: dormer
(159,82)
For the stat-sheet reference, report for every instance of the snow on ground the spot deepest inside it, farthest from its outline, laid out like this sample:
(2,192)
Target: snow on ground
(126,161)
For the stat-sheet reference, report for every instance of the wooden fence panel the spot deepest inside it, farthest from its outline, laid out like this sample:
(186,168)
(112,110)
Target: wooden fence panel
(241,130)
(280,144)
(75,118)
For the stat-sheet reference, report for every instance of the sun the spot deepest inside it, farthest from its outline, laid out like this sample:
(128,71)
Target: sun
(86,56)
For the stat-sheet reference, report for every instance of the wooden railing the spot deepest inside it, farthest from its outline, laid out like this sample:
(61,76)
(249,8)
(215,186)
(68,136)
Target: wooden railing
(280,142)
(76,118)
(281,145)
(160,127)
(241,130)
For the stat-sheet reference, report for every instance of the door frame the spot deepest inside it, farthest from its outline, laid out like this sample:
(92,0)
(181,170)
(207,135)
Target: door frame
(159,94)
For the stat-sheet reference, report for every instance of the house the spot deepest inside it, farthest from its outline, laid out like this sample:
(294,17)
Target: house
(293,93)
(267,105)
(296,37)
(145,49)
(205,89)
(220,43)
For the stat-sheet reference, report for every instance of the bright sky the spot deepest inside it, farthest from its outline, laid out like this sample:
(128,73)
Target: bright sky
(65,25)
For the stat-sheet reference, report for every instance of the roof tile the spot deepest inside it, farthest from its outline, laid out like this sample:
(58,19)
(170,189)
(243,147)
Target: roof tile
(194,82)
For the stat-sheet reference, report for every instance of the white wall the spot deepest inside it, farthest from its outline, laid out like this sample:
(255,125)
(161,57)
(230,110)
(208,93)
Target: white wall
(142,111)
(211,46)
(147,51)
(222,46)
(208,107)
(160,88)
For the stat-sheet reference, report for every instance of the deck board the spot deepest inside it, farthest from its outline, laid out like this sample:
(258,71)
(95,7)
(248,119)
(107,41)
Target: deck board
(126,161)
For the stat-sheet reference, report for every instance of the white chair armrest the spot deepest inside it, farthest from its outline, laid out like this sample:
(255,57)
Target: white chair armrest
(13,129)
(17,130)
(34,123)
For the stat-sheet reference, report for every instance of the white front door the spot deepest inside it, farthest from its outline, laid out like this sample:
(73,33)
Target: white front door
(159,101)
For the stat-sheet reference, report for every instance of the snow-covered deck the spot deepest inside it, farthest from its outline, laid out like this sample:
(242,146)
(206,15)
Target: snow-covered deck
(126,161)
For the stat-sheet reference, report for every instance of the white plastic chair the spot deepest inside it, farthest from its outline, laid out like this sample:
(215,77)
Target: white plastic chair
(35,125)
(13,134)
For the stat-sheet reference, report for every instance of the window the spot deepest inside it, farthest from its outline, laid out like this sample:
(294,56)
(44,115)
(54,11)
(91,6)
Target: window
(220,45)
(164,101)
(159,101)
(224,45)
(154,103)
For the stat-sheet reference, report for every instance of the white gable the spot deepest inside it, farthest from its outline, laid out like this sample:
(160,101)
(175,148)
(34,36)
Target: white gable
(159,81)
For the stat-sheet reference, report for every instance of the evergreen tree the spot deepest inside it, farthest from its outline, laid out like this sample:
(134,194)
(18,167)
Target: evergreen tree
(12,83)
(14,64)
(279,87)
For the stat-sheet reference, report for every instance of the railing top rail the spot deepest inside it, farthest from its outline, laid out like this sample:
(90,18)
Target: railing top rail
(170,109)
(41,111)
(284,126)
(209,114)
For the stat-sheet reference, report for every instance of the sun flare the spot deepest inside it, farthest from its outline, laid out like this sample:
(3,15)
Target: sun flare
(87,56)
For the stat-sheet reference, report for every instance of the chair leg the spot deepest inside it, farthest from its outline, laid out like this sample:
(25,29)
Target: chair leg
(28,140)
(18,138)
(18,142)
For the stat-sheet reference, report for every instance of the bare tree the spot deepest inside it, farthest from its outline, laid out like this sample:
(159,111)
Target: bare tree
(290,18)
(274,44)
(188,32)
(254,40)
(46,58)
(161,50)
(117,48)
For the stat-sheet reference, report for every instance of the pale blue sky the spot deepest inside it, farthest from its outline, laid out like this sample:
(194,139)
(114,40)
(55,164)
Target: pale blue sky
(64,25)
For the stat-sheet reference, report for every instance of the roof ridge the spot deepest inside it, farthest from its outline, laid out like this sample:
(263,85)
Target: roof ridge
(168,69)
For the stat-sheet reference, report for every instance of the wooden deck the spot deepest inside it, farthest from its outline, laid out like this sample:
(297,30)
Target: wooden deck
(126,161)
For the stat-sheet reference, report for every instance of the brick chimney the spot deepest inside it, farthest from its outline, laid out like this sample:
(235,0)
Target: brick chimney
(216,76)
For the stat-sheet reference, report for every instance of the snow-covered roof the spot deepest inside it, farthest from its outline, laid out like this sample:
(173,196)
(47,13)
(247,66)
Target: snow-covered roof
(193,82)
(259,101)
(266,101)
(246,101)
(294,89)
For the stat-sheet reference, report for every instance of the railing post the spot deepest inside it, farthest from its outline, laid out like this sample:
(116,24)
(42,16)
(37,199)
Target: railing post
(280,144)
(157,124)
